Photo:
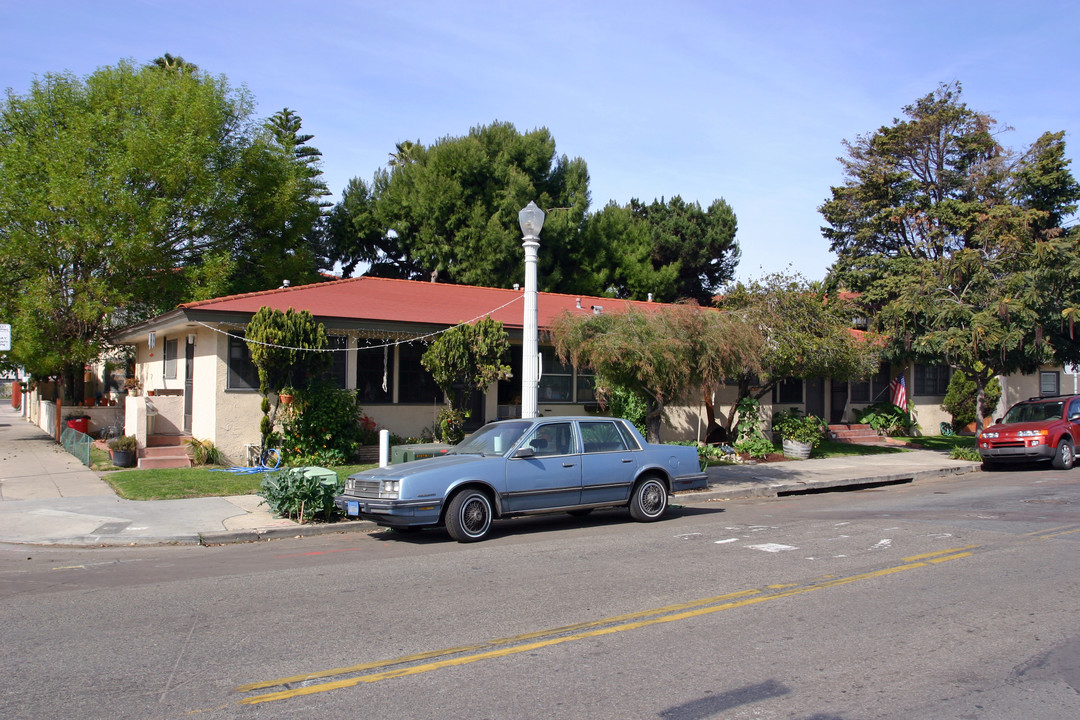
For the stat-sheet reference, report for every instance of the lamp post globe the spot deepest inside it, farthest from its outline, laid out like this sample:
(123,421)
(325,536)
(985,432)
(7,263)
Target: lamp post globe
(531,219)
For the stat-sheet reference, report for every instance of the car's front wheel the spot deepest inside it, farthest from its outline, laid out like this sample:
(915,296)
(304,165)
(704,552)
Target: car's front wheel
(468,517)
(1064,457)
(649,500)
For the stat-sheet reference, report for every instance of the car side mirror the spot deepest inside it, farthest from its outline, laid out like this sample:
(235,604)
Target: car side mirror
(525,452)
(998,421)
(1074,417)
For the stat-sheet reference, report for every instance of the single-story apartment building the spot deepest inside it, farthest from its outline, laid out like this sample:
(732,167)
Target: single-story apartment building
(195,377)
(193,373)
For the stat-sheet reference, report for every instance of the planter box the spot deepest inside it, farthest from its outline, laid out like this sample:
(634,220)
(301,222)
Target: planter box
(796,449)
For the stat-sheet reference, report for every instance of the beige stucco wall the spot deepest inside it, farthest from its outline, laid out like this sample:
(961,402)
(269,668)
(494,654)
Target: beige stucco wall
(1015,388)
(237,412)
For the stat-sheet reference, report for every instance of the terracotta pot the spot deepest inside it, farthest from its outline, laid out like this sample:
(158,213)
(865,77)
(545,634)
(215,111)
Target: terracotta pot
(285,399)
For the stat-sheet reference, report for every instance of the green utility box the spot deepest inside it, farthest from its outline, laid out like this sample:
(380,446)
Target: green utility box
(313,471)
(408,453)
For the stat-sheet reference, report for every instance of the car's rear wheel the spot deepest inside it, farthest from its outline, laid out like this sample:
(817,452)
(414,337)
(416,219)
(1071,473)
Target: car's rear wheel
(468,517)
(1064,457)
(649,500)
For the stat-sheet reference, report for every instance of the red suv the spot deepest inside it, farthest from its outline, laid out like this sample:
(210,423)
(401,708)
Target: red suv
(1044,428)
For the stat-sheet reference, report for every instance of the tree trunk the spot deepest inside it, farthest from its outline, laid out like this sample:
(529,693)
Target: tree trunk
(654,414)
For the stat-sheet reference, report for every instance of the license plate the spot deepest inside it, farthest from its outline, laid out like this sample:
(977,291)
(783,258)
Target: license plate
(352,508)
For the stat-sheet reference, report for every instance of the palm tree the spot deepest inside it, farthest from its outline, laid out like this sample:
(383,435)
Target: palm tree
(175,63)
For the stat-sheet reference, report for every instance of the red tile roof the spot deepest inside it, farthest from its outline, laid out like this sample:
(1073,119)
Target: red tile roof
(387,300)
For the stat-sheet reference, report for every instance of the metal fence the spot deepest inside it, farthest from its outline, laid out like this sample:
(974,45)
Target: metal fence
(77,443)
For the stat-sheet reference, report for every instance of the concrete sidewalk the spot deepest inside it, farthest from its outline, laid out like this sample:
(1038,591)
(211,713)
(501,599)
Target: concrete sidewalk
(48,498)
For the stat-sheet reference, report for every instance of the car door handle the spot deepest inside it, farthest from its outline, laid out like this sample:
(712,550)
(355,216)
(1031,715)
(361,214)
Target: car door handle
(628,460)
(568,465)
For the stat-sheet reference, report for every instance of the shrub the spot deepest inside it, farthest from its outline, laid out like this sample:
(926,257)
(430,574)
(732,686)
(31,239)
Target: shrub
(322,458)
(887,419)
(965,453)
(706,453)
(622,402)
(124,443)
(323,418)
(452,425)
(793,425)
(204,452)
(294,494)
(749,433)
(960,399)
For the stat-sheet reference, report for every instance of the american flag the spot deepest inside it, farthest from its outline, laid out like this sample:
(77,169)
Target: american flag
(898,388)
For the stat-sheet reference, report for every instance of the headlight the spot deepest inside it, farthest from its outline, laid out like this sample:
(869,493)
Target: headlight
(1032,433)
(391,486)
(989,435)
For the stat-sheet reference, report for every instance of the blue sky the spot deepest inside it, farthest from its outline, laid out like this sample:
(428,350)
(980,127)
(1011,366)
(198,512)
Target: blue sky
(749,101)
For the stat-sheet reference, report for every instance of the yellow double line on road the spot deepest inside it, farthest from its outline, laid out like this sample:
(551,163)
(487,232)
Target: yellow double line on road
(1054,532)
(299,685)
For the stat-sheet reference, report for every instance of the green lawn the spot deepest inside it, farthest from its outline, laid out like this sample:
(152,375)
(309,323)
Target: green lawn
(180,483)
(943,442)
(831,448)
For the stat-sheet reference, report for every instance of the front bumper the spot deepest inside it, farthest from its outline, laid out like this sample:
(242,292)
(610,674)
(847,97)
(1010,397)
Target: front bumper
(391,513)
(1013,452)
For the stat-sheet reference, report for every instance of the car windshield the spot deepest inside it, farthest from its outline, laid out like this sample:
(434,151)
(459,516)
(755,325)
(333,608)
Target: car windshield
(493,439)
(1034,412)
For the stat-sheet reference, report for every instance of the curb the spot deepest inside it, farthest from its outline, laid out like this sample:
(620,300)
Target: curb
(766,489)
(227,537)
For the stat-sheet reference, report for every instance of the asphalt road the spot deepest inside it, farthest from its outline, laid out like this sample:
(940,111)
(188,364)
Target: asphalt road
(953,598)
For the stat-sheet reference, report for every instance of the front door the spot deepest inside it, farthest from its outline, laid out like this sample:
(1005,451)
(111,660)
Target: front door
(551,477)
(815,397)
(189,384)
(838,401)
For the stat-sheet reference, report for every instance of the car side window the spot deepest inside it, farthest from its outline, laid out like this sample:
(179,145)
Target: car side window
(601,437)
(1074,407)
(552,439)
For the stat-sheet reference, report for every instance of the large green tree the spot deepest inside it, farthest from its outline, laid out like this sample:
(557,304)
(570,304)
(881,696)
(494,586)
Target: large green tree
(955,243)
(661,354)
(448,213)
(698,246)
(119,195)
(803,332)
(278,234)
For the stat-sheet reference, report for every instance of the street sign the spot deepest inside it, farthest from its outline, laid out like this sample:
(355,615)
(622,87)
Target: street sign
(5,338)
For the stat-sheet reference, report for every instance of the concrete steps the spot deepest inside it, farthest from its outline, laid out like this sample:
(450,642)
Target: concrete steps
(164,451)
(855,434)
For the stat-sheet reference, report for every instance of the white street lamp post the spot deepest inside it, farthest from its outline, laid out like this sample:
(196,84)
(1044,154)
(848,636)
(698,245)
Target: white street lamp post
(531,219)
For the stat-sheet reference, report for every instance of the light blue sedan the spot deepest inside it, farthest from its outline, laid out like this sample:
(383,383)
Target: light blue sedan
(525,467)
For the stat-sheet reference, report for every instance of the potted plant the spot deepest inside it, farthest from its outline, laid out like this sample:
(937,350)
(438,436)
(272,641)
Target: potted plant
(123,450)
(285,396)
(799,433)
